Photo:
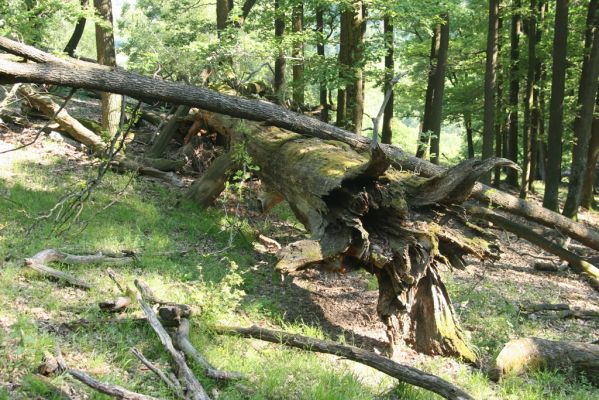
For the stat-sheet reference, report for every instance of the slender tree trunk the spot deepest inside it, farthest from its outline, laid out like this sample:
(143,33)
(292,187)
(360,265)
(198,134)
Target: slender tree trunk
(387,134)
(469,134)
(433,104)
(512,143)
(556,107)
(344,67)
(324,113)
(279,75)
(527,134)
(77,33)
(590,173)
(584,118)
(355,91)
(223,7)
(111,103)
(490,82)
(439,87)
(499,128)
(297,25)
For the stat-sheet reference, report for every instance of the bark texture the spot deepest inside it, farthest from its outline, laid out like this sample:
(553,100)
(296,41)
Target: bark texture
(490,82)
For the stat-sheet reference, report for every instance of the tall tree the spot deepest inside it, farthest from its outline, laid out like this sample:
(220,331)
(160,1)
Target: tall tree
(388,31)
(433,108)
(512,142)
(223,8)
(490,83)
(320,50)
(279,73)
(344,65)
(355,91)
(590,173)
(297,26)
(556,107)
(531,30)
(111,103)
(584,117)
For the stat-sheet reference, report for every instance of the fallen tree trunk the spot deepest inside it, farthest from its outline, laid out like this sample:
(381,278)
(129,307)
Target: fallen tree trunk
(361,216)
(69,124)
(521,355)
(402,372)
(576,262)
(51,69)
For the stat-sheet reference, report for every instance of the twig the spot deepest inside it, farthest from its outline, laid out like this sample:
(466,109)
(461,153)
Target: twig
(9,95)
(175,387)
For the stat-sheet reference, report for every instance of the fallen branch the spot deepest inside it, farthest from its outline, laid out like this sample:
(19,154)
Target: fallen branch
(195,391)
(183,343)
(103,387)
(522,355)
(404,373)
(172,383)
(563,310)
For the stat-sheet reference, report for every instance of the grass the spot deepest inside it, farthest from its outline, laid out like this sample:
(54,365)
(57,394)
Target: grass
(181,256)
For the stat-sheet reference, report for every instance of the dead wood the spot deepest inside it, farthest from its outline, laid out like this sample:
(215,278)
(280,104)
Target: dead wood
(127,165)
(163,164)
(183,343)
(56,274)
(550,267)
(50,69)
(194,388)
(69,124)
(576,262)
(562,310)
(527,354)
(402,372)
(103,387)
(172,383)
(206,189)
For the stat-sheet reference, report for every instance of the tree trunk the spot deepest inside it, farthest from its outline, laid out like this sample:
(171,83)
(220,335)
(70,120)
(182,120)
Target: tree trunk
(77,33)
(499,121)
(522,355)
(490,82)
(344,67)
(512,144)
(324,113)
(531,25)
(279,74)
(556,108)
(584,118)
(111,103)
(223,7)
(360,219)
(591,167)
(387,134)
(469,134)
(438,87)
(297,25)
(355,90)
(53,70)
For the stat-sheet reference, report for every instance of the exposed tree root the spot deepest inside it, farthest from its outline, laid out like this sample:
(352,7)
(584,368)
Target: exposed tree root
(402,372)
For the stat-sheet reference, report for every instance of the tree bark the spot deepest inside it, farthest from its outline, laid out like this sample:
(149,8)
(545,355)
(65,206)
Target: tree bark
(490,83)
(344,67)
(279,73)
(432,124)
(469,134)
(111,103)
(54,70)
(355,91)
(521,355)
(387,133)
(512,144)
(167,133)
(584,118)
(206,189)
(223,7)
(297,26)
(77,33)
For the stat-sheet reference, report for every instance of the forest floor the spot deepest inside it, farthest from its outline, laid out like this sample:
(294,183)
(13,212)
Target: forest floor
(206,258)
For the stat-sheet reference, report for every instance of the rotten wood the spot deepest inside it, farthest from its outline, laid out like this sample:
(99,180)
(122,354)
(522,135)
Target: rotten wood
(402,372)
(527,354)
(206,189)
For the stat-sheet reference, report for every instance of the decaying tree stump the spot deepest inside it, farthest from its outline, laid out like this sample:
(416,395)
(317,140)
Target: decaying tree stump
(361,216)
(521,355)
